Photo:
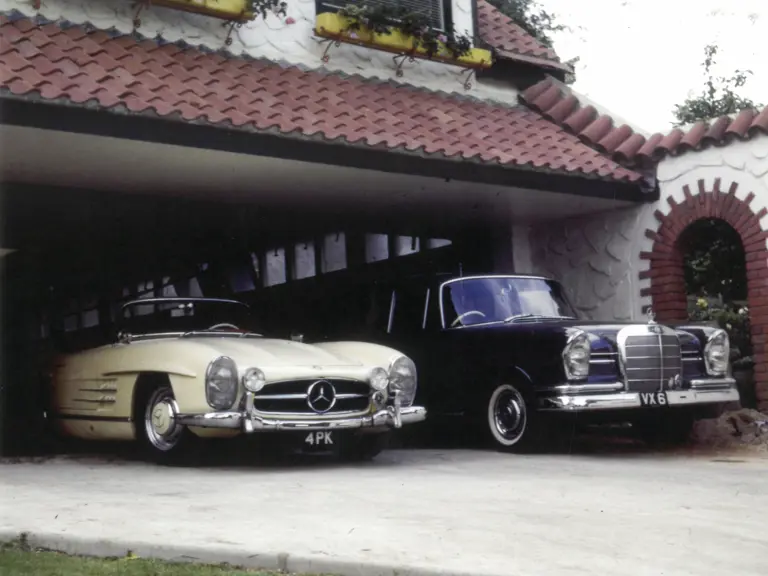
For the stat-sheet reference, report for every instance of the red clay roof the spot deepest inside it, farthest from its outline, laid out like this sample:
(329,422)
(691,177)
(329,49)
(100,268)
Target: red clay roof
(72,65)
(511,41)
(626,146)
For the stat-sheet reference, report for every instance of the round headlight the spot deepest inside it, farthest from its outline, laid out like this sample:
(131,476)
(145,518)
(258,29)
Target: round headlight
(717,352)
(576,356)
(402,380)
(254,380)
(379,379)
(221,383)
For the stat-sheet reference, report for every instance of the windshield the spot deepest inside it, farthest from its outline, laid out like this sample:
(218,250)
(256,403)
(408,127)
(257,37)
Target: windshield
(483,300)
(174,315)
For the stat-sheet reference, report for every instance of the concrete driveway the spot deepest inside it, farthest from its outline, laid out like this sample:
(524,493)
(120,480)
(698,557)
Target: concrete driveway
(423,511)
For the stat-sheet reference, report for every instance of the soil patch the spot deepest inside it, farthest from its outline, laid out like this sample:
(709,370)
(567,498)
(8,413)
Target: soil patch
(734,429)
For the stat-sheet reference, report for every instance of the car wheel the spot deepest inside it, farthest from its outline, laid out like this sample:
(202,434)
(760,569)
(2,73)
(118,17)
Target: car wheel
(508,418)
(164,440)
(362,447)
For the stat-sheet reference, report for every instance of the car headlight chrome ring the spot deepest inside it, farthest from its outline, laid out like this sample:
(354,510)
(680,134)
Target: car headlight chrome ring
(576,355)
(717,352)
(221,383)
(379,379)
(254,380)
(403,380)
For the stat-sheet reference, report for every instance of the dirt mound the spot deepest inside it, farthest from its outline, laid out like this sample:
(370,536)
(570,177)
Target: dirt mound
(743,428)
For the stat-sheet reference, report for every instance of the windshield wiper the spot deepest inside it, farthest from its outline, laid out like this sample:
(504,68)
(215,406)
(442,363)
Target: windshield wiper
(527,316)
(518,317)
(221,333)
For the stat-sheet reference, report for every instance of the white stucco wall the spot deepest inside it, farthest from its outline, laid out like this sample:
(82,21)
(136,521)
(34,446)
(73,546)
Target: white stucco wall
(598,257)
(593,258)
(288,39)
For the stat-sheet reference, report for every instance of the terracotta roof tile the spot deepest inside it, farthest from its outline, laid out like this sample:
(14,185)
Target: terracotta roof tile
(81,66)
(626,146)
(629,147)
(512,41)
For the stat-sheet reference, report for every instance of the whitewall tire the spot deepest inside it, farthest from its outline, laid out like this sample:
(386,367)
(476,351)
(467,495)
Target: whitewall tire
(507,417)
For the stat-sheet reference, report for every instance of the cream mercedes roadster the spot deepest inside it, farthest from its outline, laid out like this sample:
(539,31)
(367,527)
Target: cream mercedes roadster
(185,368)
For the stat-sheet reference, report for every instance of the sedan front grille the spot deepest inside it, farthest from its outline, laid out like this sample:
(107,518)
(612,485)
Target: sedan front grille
(651,358)
(330,396)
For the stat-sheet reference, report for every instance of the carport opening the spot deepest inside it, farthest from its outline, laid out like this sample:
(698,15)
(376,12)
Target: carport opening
(715,271)
(79,260)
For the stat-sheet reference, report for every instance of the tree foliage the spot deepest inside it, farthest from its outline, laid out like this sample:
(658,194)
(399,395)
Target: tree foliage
(531,17)
(715,263)
(718,98)
(537,21)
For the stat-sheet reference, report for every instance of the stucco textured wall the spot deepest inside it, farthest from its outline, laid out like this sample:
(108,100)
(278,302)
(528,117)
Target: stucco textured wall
(592,256)
(288,39)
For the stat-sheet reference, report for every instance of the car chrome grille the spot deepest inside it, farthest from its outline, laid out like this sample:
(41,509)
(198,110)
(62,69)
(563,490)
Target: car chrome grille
(651,358)
(291,397)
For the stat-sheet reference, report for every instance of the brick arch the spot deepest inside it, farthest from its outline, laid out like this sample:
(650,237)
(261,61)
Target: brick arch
(667,289)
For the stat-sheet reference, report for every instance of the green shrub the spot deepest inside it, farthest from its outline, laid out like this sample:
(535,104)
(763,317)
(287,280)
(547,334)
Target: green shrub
(733,319)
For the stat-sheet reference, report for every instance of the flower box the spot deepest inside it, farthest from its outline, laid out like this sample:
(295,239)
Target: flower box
(233,10)
(336,27)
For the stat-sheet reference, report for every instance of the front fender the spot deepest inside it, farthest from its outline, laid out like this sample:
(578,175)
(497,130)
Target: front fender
(121,366)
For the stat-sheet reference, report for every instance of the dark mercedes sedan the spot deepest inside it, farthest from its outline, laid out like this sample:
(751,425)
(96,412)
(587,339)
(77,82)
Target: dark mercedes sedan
(511,354)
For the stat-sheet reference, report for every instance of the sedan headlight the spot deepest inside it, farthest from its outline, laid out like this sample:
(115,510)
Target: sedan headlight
(402,380)
(576,356)
(379,379)
(717,352)
(254,380)
(221,383)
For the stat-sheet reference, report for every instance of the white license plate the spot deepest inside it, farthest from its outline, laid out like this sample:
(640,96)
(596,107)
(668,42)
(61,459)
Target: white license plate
(653,399)
(319,439)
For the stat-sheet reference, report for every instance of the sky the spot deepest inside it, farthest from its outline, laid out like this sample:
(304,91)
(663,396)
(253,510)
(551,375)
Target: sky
(641,57)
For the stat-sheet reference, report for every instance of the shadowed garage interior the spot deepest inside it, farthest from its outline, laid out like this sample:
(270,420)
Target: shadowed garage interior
(92,221)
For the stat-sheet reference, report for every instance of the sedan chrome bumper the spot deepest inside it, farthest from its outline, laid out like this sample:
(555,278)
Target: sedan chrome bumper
(710,391)
(391,417)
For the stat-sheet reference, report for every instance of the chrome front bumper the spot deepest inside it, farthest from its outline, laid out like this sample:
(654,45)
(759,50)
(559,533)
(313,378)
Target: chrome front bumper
(590,397)
(390,417)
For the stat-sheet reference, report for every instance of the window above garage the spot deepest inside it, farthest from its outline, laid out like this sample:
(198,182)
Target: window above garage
(437,13)
(408,28)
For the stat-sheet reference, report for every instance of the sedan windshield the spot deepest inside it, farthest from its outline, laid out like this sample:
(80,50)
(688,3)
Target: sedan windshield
(502,299)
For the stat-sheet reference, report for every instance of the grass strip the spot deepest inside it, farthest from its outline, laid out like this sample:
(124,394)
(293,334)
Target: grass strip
(18,558)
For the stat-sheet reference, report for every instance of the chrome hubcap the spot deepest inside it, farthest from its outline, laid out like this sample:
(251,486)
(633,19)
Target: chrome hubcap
(160,420)
(509,415)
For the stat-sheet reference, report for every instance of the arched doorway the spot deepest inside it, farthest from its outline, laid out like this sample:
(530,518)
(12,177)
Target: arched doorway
(715,272)
(714,263)
(667,271)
